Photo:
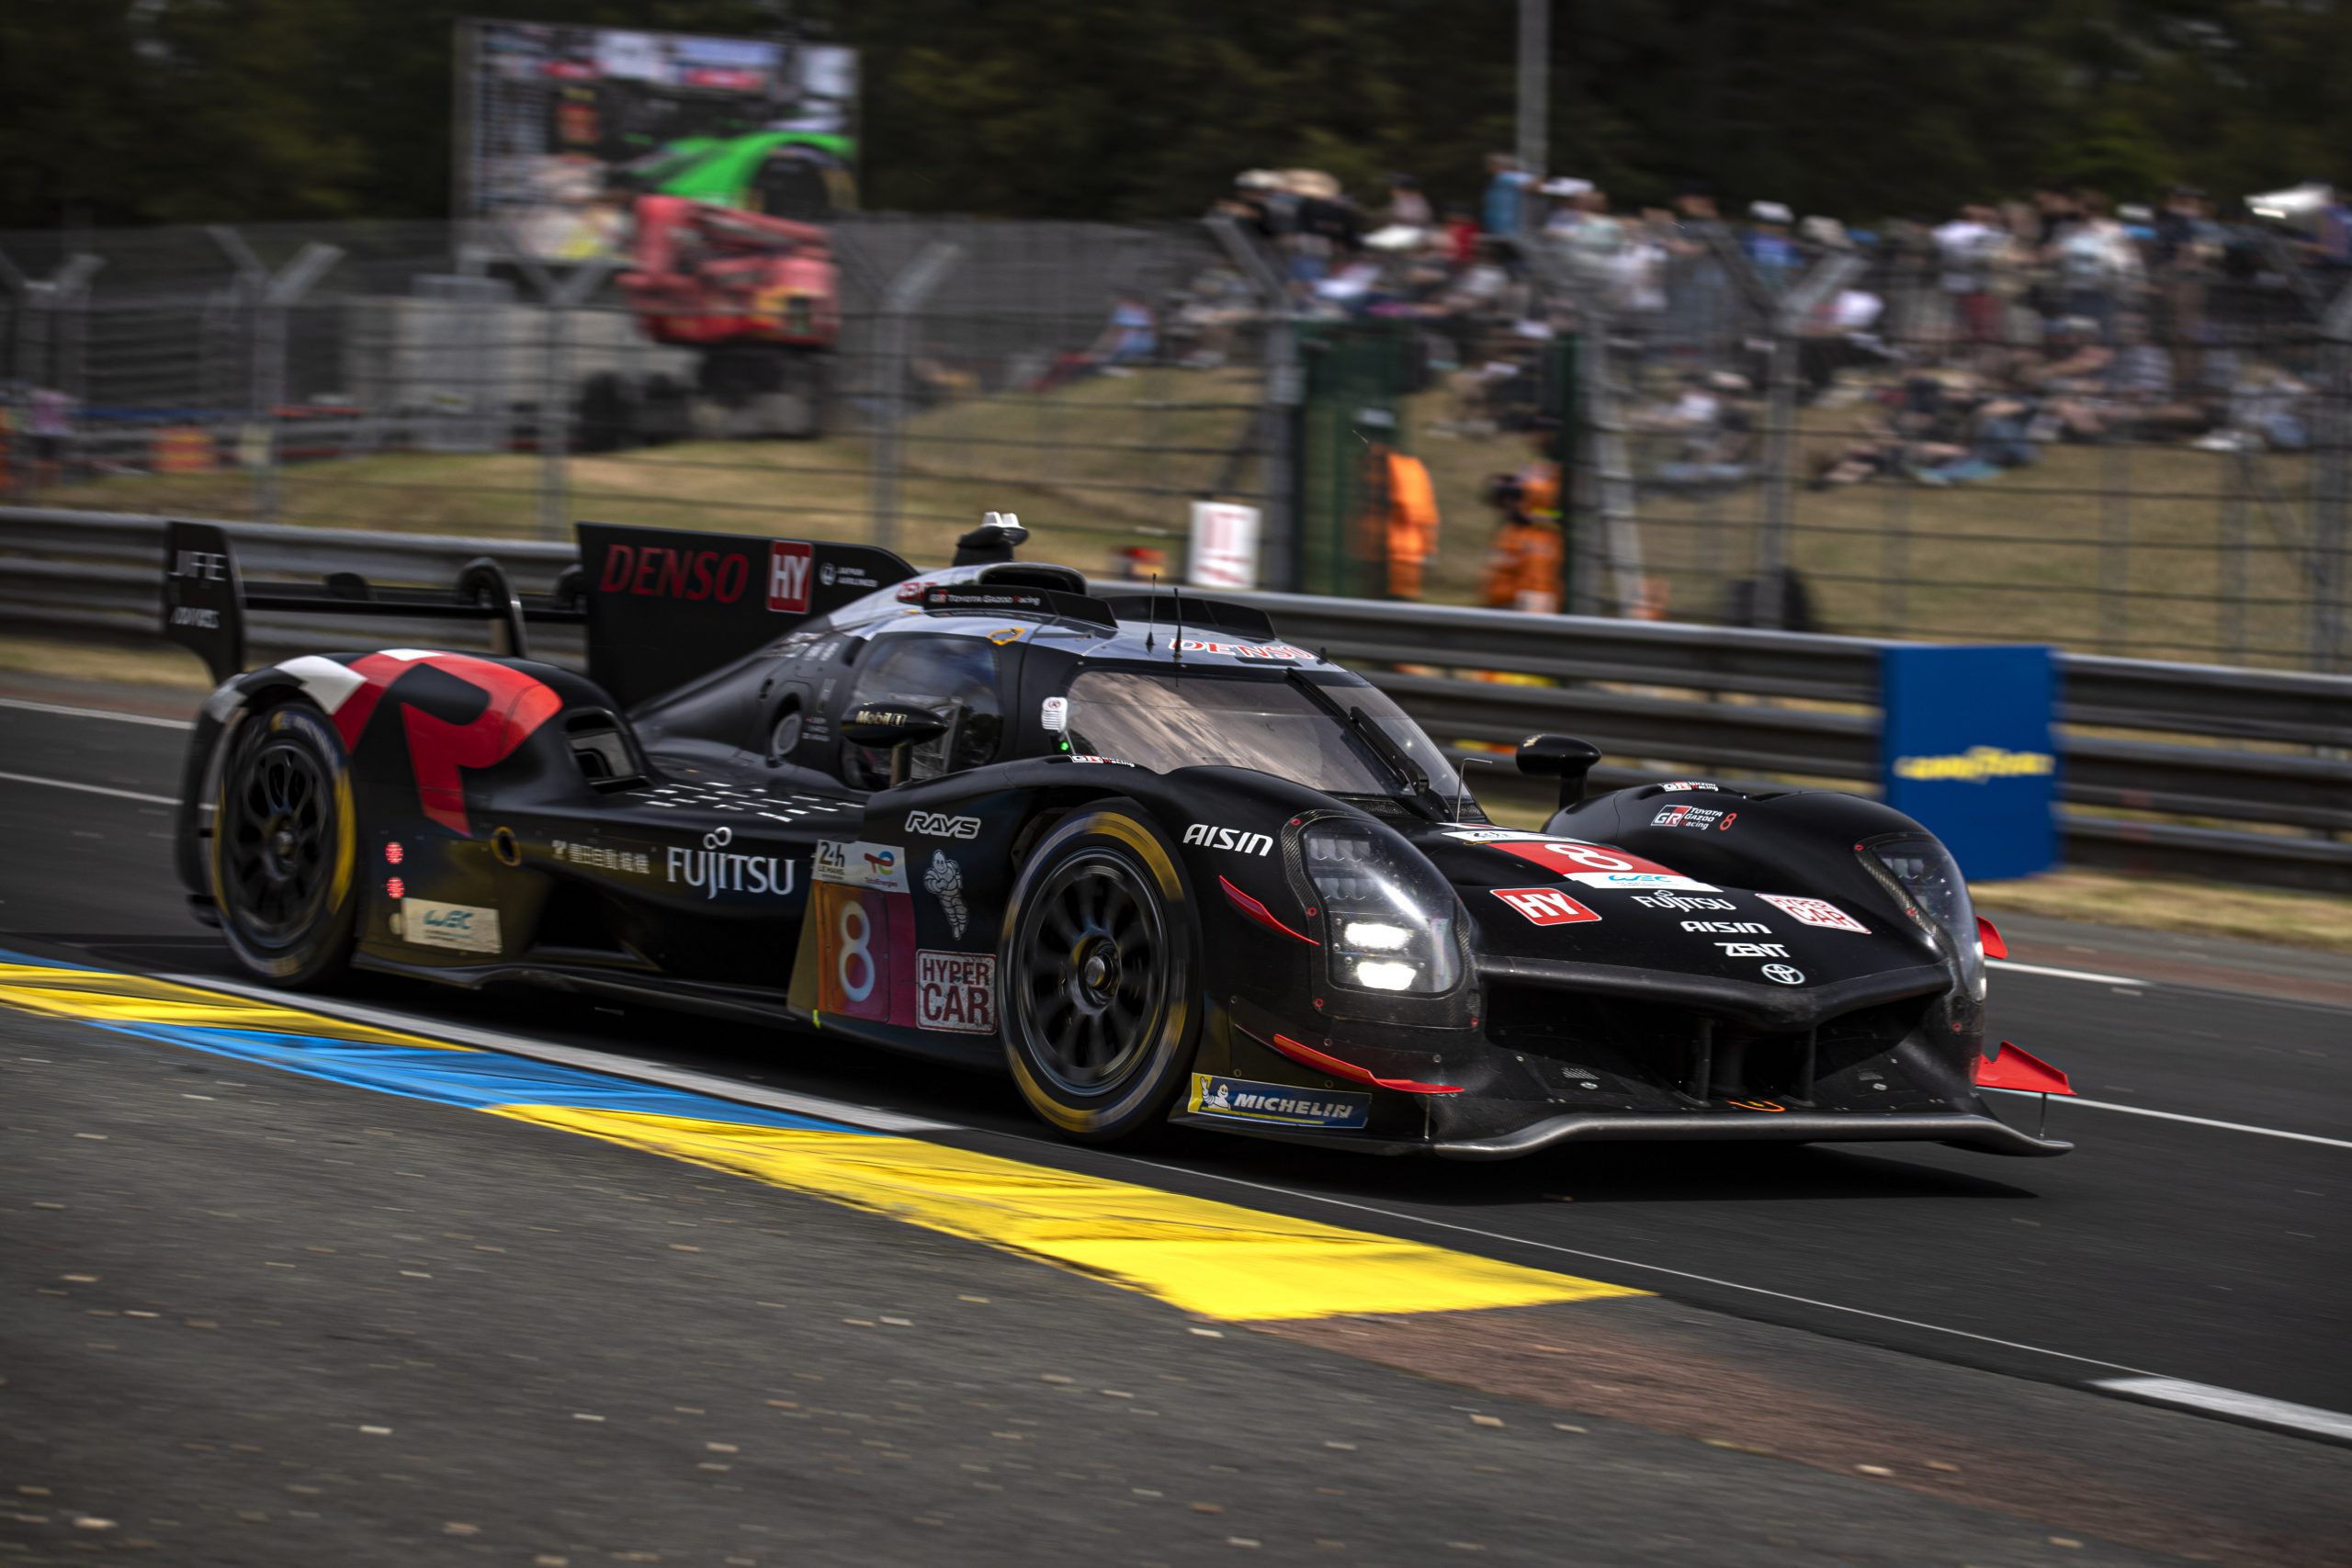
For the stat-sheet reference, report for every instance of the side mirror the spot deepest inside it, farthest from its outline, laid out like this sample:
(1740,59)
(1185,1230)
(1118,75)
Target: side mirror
(892,725)
(1561,757)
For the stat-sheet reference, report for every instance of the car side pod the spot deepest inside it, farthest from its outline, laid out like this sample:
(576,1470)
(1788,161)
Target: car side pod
(1562,757)
(2020,1071)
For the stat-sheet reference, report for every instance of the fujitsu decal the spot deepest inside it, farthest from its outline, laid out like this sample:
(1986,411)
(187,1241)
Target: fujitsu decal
(657,572)
(514,706)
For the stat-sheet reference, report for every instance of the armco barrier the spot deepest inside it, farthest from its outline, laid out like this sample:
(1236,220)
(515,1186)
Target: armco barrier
(2180,746)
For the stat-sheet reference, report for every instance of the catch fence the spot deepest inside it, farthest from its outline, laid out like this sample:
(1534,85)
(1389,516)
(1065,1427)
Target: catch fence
(1853,446)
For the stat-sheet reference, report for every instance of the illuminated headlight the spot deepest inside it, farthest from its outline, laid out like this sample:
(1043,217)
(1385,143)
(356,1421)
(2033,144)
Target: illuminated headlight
(1926,880)
(1389,915)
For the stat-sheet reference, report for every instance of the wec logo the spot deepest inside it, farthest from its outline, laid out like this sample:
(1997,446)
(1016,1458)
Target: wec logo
(938,825)
(1234,839)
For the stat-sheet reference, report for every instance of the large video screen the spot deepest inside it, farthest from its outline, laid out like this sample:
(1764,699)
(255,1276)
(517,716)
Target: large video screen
(560,128)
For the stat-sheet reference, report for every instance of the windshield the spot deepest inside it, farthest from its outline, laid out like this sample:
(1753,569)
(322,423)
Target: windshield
(1165,722)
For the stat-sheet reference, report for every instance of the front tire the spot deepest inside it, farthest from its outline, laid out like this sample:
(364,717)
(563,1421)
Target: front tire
(1099,976)
(285,847)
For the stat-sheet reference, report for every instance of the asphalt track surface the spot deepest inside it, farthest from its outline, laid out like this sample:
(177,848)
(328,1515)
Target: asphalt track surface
(1854,1310)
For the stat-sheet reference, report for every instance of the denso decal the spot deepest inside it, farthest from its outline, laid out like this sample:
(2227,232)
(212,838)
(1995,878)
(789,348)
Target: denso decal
(1545,905)
(937,824)
(1242,1101)
(1813,912)
(715,869)
(861,864)
(658,572)
(789,562)
(460,926)
(1209,836)
(513,706)
(956,991)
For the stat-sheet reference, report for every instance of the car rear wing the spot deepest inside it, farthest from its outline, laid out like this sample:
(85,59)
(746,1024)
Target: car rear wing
(205,599)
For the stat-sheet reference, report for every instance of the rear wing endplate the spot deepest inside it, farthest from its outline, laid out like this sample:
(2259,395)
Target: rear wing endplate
(206,598)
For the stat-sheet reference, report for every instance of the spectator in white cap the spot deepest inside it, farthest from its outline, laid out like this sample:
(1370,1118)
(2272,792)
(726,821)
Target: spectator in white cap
(1768,244)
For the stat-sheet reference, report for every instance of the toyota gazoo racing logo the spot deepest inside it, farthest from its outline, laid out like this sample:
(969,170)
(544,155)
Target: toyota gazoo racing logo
(715,869)
(939,825)
(1210,837)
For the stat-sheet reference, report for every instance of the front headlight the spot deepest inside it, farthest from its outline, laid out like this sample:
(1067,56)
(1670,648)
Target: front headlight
(1924,878)
(1387,916)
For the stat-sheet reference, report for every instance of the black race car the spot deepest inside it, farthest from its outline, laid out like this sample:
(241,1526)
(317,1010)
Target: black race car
(1135,847)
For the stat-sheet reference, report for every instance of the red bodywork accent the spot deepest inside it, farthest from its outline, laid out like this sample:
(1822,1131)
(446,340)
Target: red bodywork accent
(1994,946)
(1349,1070)
(704,276)
(518,705)
(2013,1067)
(1260,913)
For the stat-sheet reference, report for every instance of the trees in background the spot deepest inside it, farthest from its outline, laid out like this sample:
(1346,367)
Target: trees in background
(115,111)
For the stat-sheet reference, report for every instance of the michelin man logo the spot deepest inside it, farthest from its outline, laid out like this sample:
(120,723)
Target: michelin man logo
(1218,1099)
(944,881)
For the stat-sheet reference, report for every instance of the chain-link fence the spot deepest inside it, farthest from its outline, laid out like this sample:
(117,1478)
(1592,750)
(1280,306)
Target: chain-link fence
(1864,442)
(1095,379)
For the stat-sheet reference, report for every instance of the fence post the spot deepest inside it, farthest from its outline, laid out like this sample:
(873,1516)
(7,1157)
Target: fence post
(2331,486)
(555,385)
(891,346)
(40,358)
(1286,389)
(278,299)
(1790,313)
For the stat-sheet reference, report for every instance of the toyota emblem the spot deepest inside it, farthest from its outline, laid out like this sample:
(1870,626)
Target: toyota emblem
(1784,974)
(719,838)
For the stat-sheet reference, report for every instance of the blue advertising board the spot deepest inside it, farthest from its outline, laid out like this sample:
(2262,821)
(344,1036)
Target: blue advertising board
(1966,751)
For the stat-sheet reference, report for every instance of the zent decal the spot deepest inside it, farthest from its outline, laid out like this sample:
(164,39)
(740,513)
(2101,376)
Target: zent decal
(1240,1100)
(956,991)
(1815,912)
(1545,905)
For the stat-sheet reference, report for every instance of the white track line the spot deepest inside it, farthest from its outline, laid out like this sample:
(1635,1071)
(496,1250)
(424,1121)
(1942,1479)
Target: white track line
(2067,974)
(2177,1116)
(868,1116)
(95,712)
(2230,1402)
(93,789)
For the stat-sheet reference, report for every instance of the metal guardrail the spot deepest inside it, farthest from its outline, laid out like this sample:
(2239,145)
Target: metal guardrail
(2180,747)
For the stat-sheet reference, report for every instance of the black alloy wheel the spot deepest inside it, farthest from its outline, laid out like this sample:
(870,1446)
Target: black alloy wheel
(282,855)
(1098,976)
(1094,980)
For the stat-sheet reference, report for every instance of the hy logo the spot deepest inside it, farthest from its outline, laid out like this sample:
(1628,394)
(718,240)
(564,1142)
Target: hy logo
(1234,839)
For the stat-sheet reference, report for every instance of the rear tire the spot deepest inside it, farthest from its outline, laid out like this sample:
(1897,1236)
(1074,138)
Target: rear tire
(285,847)
(1099,976)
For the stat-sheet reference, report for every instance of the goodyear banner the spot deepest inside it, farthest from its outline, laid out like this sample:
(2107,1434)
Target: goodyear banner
(1966,750)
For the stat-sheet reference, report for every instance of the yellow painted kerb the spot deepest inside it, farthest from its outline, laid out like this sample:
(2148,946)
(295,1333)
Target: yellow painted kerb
(1217,1259)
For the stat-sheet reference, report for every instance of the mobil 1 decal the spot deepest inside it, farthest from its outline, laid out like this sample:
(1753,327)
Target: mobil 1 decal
(666,605)
(1589,865)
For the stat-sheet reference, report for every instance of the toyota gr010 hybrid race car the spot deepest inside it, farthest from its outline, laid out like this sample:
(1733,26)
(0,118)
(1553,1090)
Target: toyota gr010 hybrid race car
(1154,860)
